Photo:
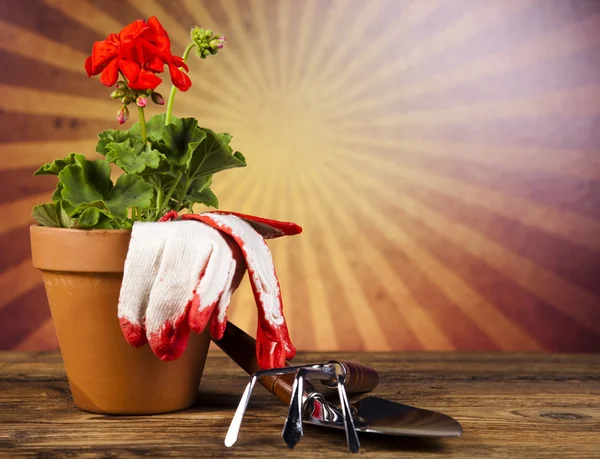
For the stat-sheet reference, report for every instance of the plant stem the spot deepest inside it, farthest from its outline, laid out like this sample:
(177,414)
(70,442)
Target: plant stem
(159,201)
(142,122)
(185,188)
(168,197)
(186,53)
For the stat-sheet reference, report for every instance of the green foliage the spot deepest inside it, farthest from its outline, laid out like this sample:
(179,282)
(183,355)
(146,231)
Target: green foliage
(214,155)
(133,156)
(179,140)
(90,185)
(85,183)
(199,192)
(172,170)
(54,167)
(111,136)
(89,218)
(53,215)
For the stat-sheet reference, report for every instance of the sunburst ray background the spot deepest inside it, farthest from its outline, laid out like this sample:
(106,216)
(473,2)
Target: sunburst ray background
(442,156)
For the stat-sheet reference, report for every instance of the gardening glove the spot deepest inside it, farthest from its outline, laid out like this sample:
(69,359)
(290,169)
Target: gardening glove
(175,274)
(209,301)
(273,344)
(267,228)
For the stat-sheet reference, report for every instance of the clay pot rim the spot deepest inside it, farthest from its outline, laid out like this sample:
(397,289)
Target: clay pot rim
(79,250)
(77,230)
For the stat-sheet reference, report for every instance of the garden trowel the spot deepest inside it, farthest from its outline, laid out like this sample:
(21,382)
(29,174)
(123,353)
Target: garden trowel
(309,405)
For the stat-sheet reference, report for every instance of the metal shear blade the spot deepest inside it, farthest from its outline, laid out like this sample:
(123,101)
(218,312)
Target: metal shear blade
(292,430)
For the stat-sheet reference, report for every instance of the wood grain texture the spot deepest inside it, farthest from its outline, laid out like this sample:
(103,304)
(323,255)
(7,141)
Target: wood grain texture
(510,405)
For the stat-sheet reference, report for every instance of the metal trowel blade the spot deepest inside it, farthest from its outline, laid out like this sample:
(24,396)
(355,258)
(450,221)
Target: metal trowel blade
(377,415)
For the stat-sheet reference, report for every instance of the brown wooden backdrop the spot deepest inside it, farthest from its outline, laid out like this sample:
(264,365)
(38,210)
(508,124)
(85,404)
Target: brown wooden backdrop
(442,156)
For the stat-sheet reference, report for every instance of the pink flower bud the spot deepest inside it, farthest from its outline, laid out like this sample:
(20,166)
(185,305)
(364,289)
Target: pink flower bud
(157,98)
(123,115)
(217,43)
(141,101)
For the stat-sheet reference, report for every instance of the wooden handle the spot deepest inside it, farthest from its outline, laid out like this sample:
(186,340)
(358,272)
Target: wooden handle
(241,348)
(359,378)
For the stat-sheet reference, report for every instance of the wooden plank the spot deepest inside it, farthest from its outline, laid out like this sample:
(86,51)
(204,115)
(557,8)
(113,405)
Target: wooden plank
(510,405)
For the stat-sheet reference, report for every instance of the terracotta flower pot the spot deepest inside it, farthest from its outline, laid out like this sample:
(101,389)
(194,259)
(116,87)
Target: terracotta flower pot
(82,271)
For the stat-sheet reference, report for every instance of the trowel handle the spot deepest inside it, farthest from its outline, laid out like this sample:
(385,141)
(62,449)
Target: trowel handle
(241,348)
(359,378)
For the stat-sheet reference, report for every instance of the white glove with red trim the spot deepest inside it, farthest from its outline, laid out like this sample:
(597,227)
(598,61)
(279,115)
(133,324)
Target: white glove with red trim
(180,274)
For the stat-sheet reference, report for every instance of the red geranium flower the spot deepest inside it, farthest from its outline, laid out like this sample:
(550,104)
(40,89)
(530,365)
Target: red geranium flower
(163,43)
(138,52)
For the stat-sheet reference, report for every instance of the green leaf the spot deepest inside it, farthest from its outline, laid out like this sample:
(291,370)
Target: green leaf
(86,183)
(226,137)
(89,184)
(129,191)
(200,193)
(88,218)
(95,218)
(54,167)
(57,196)
(214,155)
(76,211)
(153,128)
(121,223)
(52,214)
(133,156)
(206,197)
(110,224)
(179,140)
(109,136)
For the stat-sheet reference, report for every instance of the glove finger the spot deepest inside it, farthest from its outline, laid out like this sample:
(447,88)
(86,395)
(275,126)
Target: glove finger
(213,281)
(273,345)
(265,285)
(236,270)
(169,216)
(270,352)
(141,265)
(267,228)
(184,257)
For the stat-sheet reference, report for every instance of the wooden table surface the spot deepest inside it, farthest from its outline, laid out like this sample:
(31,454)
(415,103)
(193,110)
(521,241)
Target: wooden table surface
(510,405)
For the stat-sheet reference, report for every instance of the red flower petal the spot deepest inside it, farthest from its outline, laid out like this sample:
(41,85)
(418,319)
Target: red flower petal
(102,52)
(127,50)
(155,65)
(148,50)
(131,70)
(179,79)
(109,75)
(145,80)
(133,30)
(88,66)
(161,35)
(155,25)
(178,61)
(139,51)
